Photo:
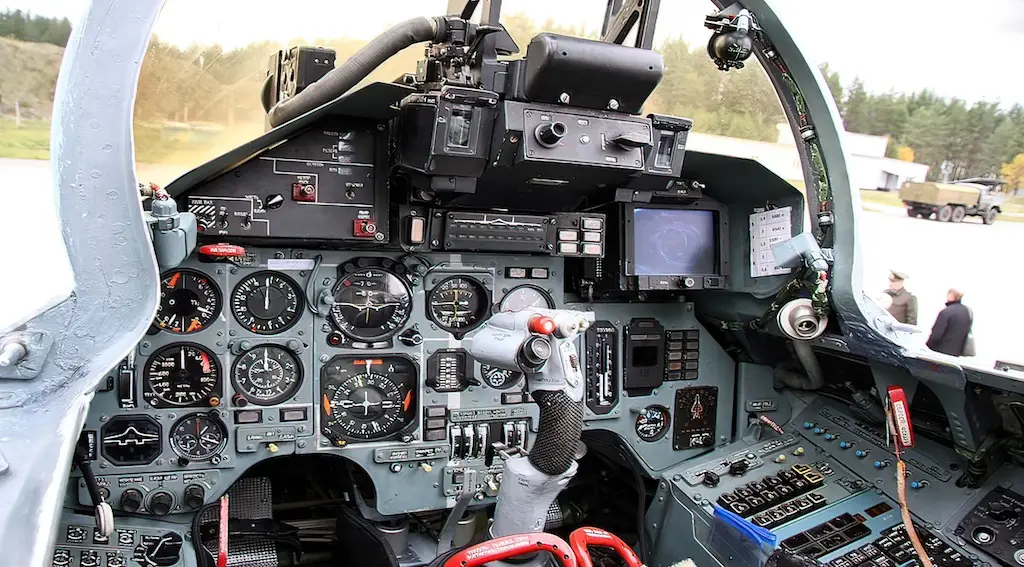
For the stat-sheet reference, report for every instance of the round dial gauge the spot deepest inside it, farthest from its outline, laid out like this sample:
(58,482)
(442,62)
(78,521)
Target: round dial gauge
(371,304)
(458,304)
(267,302)
(267,375)
(180,374)
(189,302)
(526,297)
(367,399)
(198,437)
(499,378)
(652,423)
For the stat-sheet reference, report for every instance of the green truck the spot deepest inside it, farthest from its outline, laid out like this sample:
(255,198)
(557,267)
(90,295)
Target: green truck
(977,197)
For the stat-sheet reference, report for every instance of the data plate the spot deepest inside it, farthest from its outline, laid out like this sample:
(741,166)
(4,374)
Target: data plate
(696,410)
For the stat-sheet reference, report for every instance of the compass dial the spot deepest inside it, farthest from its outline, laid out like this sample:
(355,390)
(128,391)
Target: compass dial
(181,375)
(189,302)
(371,305)
(267,375)
(267,303)
(365,399)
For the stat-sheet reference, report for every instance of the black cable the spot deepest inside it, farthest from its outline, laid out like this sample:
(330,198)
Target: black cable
(82,460)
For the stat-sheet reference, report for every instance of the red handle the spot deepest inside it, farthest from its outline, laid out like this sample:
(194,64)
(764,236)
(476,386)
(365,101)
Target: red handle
(513,546)
(582,538)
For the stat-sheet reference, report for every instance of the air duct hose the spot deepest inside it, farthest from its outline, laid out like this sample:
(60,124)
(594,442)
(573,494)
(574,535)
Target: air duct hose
(814,378)
(358,67)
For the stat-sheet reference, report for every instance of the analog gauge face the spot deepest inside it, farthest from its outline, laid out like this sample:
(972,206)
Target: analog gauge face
(198,437)
(181,375)
(267,303)
(371,305)
(365,399)
(526,297)
(652,423)
(267,375)
(189,302)
(458,304)
(500,378)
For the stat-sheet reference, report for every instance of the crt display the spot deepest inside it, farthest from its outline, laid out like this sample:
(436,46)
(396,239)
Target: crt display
(669,242)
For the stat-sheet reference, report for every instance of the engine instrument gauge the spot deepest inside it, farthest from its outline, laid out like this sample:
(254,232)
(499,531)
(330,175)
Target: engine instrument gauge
(371,305)
(458,305)
(198,437)
(181,375)
(267,303)
(525,297)
(652,423)
(500,378)
(267,375)
(189,302)
(366,399)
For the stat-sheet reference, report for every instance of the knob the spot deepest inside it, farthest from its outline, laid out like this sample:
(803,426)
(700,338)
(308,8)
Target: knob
(881,464)
(845,444)
(918,484)
(818,431)
(274,201)
(711,479)
(550,133)
(411,337)
(861,453)
(808,425)
(830,437)
(195,496)
(131,500)
(739,468)
(161,551)
(160,503)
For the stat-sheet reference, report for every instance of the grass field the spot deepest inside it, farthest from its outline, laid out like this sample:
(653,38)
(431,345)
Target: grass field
(31,141)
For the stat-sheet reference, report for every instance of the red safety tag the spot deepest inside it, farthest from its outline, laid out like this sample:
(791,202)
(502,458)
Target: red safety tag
(222,543)
(900,408)
(222,250)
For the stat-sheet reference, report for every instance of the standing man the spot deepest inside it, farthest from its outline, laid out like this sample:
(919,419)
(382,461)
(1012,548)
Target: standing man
(904,304)
(949,335)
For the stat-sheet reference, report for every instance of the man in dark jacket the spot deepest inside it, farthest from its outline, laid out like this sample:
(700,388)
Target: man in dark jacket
(949,335)
(904,304)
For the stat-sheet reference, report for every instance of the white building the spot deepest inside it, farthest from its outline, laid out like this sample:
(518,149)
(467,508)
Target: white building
(868,167)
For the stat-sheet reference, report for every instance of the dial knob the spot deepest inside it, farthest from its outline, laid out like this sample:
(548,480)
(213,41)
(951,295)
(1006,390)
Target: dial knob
(160,503)
(195,496)
(159,551)
(131,500)
(550,133)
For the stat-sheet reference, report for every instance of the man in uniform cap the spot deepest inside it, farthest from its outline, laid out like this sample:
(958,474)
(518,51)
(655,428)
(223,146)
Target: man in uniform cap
(904,304)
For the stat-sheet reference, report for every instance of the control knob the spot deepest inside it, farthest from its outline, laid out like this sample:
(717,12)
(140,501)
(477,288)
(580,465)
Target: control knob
(195,496)
(159,551)
(131,500)
(1000,512)
(549,134)
(160,503)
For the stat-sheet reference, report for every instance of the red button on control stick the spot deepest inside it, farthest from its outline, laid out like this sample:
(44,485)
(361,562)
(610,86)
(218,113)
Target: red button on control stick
(542,325)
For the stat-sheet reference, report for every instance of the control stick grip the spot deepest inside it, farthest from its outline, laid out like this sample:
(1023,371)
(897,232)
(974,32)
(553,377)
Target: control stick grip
(558,433)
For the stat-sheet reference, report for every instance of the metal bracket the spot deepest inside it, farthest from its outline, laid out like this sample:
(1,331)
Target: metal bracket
(33,347)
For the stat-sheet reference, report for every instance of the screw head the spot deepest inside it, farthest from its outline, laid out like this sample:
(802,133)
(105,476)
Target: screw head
(564,98)
(613,104)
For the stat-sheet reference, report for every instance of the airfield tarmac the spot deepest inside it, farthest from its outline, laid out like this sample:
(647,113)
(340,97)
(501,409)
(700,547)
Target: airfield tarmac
(985,261)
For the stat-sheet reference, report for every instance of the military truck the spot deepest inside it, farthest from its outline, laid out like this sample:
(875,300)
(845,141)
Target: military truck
(953,201)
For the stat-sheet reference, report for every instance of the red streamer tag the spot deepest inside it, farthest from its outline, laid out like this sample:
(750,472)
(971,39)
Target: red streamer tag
(901,417)
(222,544)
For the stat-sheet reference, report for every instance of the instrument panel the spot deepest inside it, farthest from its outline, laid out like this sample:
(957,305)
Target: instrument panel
(364,356)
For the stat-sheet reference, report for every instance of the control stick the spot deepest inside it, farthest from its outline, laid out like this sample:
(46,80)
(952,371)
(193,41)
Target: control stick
(540,343)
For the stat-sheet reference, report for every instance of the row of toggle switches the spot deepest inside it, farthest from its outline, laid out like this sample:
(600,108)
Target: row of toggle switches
(473,441)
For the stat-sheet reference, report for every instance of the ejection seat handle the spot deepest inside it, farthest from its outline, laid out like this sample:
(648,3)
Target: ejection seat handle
(510,546)
(582,538)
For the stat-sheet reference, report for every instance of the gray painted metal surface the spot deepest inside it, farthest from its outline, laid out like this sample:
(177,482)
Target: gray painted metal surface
(115,272)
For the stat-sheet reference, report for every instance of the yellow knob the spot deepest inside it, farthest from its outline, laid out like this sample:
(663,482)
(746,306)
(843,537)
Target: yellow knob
(272,447)
(780,459)
(426,467)
(799,451)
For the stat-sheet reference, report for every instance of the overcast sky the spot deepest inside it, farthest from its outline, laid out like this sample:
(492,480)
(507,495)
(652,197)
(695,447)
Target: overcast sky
(950,46)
